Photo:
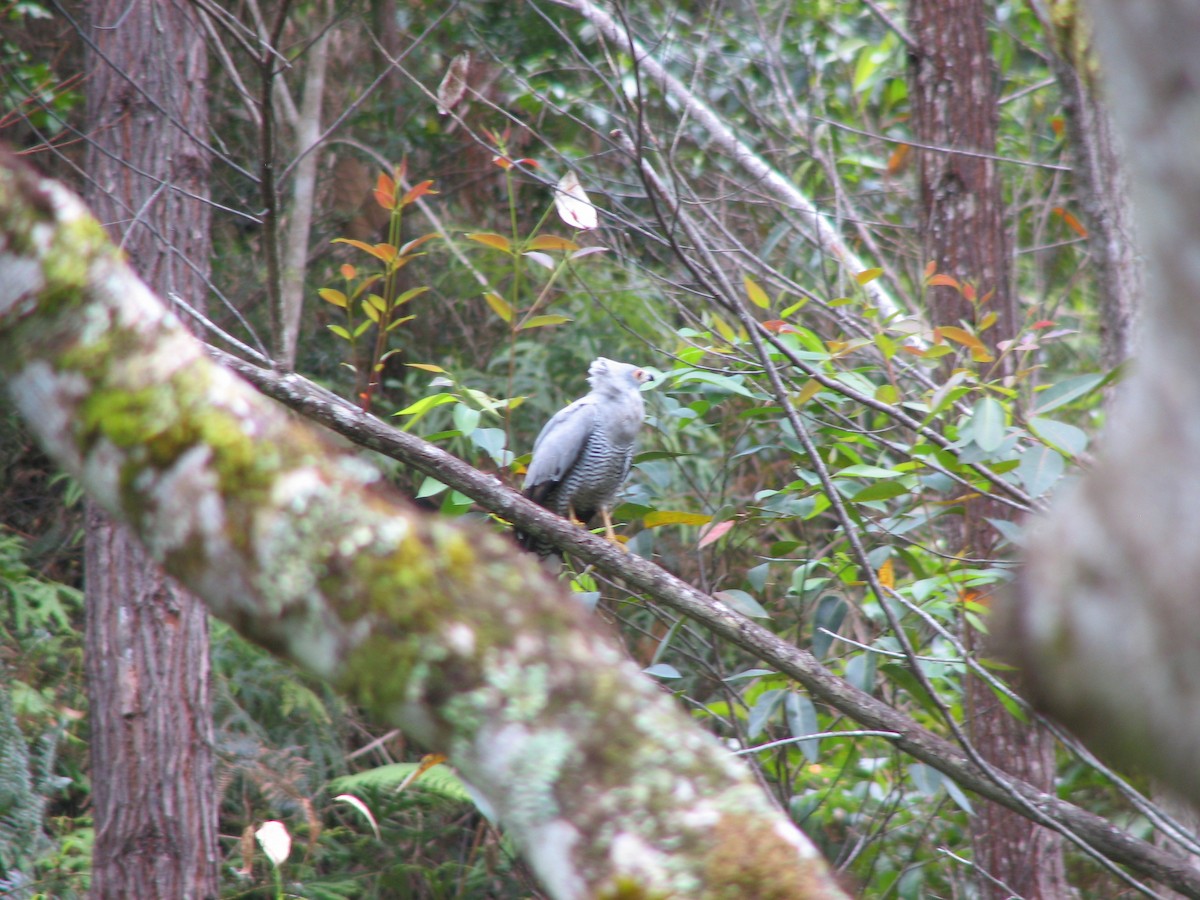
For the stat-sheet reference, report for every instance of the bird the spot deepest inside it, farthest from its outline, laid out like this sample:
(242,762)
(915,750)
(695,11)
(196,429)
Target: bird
(583,454)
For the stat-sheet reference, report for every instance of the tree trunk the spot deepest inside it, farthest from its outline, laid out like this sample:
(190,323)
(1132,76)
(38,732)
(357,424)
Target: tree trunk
(147,639)
(963,232)
(1102,178)
(152,743)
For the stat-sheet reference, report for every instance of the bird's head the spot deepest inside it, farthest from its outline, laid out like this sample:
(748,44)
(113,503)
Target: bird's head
(605,374)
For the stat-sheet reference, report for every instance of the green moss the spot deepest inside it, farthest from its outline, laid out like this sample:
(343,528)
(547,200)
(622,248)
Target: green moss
(750,861)
(629,889)
(379,672)
(78,244)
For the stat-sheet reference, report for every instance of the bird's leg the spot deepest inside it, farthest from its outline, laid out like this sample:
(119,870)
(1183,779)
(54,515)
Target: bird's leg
(572,518)
(608,525)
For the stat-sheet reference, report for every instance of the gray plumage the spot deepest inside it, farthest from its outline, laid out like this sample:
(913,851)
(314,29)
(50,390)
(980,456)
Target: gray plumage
(583,454)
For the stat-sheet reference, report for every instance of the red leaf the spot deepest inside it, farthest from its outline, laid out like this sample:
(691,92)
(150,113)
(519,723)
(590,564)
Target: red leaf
(710,534)
(778,326)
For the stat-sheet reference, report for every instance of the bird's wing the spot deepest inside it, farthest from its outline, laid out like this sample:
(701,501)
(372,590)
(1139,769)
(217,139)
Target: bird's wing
(560,442)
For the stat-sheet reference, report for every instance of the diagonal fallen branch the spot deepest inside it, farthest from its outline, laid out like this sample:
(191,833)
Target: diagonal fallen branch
(639,574)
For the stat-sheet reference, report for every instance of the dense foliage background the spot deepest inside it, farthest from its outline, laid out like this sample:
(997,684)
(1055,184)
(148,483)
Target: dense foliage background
(811,449)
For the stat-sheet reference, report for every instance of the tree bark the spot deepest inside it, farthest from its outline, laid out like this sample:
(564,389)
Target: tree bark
(147,639)
(963,232)
(1102,176)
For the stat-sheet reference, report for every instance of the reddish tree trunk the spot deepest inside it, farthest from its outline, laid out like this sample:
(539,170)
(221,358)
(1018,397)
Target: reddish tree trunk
(147,640)
(963,232)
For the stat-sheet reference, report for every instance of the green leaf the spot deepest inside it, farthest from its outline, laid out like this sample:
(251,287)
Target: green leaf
(340,332)
(1040,468)
(1065,392)
(540,321)
(865,471)
(748,673)
(755,294)
(430,487)
(491,441)
(499,305)
(329,295)
(1062,435)
(675,517)
(425,404)
(662,670)
(903,678)
(880,490)
(396,323)
(410,294)
(440,780)
(728,383)
(466,419)
(802,719)
(831,610)
(987,422)
(743,603)
(860,671)
(762,710)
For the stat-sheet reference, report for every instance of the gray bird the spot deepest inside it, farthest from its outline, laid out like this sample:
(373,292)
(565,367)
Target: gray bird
(583,454)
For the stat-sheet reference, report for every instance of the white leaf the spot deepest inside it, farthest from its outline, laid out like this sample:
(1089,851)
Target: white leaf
(454,84)
(573,204)
(276,842)
(362,808)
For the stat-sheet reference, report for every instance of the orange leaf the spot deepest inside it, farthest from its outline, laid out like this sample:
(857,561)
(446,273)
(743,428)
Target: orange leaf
(968,292)
(960,336)
(348,271)
(551,242)
(382,252)
(899,158)
(946,280)
(420,190)
(711,533)
(887,575)
(497,241)
(385,191)
(1070,221)
(930,269)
